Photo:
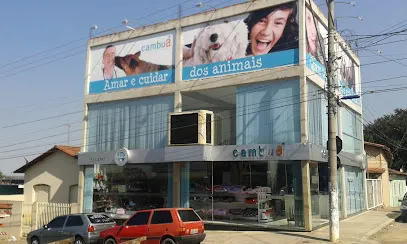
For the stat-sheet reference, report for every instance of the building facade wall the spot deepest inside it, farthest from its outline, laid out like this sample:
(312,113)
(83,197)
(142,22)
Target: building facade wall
(281,105)
(58,171)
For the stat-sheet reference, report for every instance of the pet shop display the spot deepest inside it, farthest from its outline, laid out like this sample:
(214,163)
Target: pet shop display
(233,202)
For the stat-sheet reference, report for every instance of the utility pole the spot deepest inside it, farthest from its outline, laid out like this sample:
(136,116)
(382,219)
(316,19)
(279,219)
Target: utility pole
(69,132)
(332,159)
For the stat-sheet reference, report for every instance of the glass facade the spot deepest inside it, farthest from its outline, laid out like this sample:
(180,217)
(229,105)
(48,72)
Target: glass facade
(268,113)
(134,124)
(266,194)
(317,115)
(352,126)
(124,190)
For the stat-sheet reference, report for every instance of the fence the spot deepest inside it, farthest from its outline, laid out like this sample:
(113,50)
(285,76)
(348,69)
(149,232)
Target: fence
(38,214)
(374,193)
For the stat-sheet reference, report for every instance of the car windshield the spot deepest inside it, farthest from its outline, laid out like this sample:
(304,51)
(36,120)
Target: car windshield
(99,219)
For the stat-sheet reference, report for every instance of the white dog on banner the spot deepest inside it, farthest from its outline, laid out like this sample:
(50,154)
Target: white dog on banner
(220,42)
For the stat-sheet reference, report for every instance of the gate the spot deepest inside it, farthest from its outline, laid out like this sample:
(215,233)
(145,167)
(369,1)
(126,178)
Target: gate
(374,193)
(35,215)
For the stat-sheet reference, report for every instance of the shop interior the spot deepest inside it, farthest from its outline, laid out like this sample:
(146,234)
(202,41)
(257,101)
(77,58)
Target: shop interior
(120,191)
(250,193)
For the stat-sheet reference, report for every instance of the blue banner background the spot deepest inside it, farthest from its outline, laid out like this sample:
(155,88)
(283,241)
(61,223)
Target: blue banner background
(252,63)
(131,82)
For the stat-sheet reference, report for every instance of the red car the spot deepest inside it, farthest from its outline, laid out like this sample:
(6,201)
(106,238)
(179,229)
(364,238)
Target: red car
(159,226)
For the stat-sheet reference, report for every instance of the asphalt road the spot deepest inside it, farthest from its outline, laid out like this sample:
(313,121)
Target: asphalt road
(395,233)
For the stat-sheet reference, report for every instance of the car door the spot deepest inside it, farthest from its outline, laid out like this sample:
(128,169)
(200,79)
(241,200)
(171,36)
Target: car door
(135,227)
(161,223)
(53,231)
(74,225)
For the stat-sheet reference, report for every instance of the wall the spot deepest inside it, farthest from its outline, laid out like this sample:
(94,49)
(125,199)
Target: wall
(12,224)
(18,198)
(59,171)
(376,159)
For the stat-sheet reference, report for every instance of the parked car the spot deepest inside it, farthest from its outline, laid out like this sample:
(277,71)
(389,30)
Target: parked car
(159,226)
(84,228)
(403,208)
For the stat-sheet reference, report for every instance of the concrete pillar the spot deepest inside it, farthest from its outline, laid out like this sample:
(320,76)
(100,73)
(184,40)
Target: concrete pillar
(306,192)
(179,43)
(176,185)
(81,183)
(302,76)
(184,181)
(176,166)
(343,193)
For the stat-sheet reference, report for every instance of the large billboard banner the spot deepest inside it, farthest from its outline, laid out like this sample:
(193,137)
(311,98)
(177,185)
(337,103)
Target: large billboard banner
(135,63)
(317,44)
(346,74)
(262,39)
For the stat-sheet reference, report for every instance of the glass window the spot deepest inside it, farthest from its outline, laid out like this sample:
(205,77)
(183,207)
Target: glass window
(161,217)
(139,219)
(266,193)
(188,216)
(131,188)
(134,124)
(268,113)
(58,222)
(99,218)
(74,221)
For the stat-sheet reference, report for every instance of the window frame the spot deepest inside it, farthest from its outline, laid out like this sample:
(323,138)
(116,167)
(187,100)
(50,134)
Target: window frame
(74,216)
(58,217)
(158,211)
(135,215)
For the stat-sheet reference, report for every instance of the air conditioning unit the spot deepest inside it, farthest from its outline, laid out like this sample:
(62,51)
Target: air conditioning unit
(191,128)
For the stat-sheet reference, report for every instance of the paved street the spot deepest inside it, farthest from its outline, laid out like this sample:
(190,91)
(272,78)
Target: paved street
(393,234)
(372,227)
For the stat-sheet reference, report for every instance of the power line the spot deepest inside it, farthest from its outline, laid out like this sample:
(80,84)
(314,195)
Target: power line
(166,130)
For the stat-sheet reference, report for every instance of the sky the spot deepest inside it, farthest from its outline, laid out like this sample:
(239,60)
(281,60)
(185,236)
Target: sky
(43,53)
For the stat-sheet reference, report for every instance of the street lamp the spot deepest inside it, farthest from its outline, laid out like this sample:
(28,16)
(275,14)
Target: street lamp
(200,4)
(353,3)
(347,17)
(125,22)
(94,27)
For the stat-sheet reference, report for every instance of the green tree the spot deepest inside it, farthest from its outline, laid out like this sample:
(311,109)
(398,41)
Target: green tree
(391,131)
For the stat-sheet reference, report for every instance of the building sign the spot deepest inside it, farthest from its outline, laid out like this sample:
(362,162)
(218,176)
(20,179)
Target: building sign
(134,63)
(121,157)
(262,39)
(258,152)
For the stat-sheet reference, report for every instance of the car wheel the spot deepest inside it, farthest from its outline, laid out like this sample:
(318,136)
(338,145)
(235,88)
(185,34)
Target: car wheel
(79,240)
(168,241)
(109,241)
(35,240)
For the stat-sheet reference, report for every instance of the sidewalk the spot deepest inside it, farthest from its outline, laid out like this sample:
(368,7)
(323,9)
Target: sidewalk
(356,229)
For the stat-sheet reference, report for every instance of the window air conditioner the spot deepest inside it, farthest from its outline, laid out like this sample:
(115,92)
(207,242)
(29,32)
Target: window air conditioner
(191,128)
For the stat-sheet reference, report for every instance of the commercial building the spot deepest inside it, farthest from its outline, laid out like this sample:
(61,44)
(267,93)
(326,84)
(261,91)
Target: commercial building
(250,81)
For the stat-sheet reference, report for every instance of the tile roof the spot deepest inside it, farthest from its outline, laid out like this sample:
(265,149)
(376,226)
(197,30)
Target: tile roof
(395,172)
(376,170)
(70,151)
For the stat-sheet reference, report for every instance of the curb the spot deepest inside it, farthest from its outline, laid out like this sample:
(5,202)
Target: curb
(378,229)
